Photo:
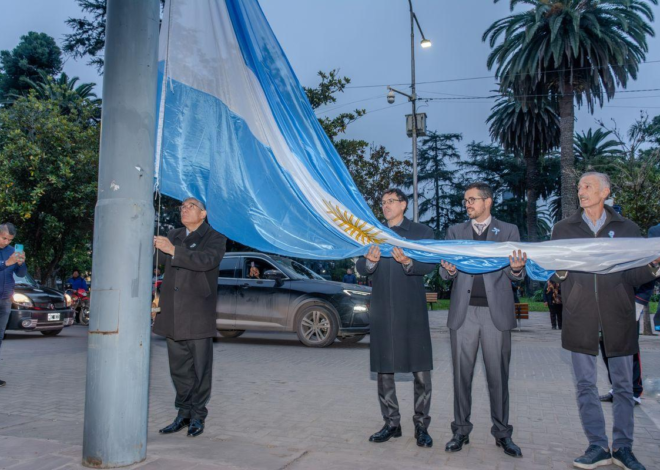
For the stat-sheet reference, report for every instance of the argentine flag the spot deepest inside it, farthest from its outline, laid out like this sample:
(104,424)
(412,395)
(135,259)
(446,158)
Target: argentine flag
(236,131)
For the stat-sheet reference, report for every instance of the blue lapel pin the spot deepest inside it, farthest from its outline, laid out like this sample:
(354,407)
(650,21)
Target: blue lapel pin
(611,233)
(496,230)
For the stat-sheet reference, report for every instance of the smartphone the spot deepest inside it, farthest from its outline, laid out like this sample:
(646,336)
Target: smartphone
(252,264)
(18,248)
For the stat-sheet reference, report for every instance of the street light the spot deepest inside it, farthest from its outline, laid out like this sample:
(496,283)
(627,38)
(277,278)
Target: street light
(412,97)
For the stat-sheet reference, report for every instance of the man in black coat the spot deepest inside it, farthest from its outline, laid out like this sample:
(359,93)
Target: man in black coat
(481,314)
(602,305)
(188,312)
(400,335)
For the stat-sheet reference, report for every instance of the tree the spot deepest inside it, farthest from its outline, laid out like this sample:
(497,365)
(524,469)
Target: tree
(88,36)
(435,152)
(594,153)
(529,129)
(577,50)
(36,52)
(505,172)
(48,176)
(65,92)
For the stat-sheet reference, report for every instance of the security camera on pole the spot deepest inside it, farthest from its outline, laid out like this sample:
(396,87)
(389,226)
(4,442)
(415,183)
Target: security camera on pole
(415,123)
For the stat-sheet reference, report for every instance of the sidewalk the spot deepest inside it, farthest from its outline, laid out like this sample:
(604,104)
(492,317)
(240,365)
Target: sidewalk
(277,404)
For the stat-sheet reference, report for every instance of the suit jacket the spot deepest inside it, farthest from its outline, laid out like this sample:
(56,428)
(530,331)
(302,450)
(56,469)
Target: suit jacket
(189,291)
(497,283)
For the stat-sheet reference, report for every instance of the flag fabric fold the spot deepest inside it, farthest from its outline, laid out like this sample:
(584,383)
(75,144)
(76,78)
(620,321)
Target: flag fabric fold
(235,130)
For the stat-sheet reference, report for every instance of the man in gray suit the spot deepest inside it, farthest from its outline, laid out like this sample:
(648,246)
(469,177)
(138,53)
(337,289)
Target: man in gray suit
(481,312)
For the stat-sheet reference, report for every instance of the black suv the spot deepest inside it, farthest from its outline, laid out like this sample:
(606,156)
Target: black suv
(272,293)
(38,308)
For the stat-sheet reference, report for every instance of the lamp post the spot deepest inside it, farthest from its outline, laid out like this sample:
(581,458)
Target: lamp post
(412,97)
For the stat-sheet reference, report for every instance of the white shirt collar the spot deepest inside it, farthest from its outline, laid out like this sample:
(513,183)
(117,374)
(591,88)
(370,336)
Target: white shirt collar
(485,223)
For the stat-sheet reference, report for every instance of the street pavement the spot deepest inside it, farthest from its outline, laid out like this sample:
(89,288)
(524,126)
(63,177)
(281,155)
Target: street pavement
(277,404)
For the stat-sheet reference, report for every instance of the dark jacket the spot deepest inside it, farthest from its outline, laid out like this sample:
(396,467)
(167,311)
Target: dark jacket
(550,296)
(189,291)
(7,272)
(400,335)
(607,300)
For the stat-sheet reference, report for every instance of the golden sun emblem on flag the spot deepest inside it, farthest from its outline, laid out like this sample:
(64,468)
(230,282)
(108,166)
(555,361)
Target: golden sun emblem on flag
(355,228)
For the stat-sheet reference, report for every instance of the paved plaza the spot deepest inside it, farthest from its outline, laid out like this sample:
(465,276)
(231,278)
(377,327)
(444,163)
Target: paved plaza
(279,405)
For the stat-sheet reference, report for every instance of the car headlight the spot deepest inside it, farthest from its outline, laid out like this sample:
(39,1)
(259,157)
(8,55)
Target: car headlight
(356,292)
(22,300)
(360,308)
(69,300)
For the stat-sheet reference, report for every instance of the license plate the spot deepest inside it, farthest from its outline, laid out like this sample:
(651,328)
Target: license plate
(53,317)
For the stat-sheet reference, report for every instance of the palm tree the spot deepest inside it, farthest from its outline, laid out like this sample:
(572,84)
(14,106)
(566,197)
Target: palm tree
(531,130)
(594,153)
(576,50)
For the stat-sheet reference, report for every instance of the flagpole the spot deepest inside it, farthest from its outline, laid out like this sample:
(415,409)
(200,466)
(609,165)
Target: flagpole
(117,389)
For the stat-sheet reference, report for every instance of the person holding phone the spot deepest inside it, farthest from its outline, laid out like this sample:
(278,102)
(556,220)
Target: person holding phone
(12,261)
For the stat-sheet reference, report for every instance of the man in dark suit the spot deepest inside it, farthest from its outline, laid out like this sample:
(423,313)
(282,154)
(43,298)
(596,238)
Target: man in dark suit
(400,334)
(481,313)
(188,312)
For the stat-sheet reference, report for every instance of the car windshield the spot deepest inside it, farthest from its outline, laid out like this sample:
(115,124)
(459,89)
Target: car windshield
(25,281)
(296,270)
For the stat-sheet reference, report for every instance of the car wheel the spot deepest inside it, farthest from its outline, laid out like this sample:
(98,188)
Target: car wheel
(231,333)
(316,326)
(351,339)
(51,332)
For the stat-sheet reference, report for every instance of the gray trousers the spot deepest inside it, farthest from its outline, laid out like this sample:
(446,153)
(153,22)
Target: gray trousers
(5,313)
(591,412)
(478,329)
(389,404)
(191,364)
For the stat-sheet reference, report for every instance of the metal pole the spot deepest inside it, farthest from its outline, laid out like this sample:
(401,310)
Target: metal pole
(414,112)
(116,401)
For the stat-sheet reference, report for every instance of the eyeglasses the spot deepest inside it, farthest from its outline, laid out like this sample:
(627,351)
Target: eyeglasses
(189,206)
(471,200)
(386,202)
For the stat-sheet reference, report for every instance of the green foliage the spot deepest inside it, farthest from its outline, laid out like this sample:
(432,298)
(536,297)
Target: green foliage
(88,36)
(435,179)
(36,52)
(48,178)
(576,51)
(593,152)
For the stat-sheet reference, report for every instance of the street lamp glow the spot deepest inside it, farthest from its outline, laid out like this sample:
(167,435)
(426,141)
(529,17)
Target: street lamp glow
(425,43)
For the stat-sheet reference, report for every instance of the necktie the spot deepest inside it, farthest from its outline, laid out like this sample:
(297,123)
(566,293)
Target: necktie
(480,228)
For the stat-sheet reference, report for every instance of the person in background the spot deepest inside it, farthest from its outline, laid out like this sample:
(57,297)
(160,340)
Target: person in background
(552,300)
(77,282)
(349,277)
(11,263)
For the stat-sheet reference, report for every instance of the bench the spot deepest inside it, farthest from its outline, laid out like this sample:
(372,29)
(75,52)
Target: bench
(522,312)
(431,298)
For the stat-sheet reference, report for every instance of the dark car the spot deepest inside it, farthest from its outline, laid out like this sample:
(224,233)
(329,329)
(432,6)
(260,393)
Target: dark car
(38,308)
(272,293)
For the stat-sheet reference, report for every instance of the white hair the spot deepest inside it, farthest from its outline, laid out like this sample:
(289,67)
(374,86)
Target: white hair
(602,178)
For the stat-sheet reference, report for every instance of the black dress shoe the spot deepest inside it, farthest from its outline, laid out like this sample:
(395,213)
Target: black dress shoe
(422,436)
(509,447)
(607,397)
(386,433)
(196,427)
(2,383)
(177,425)
(457,442)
